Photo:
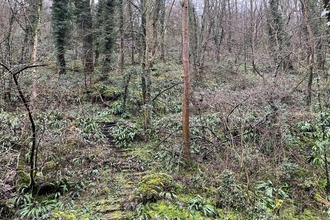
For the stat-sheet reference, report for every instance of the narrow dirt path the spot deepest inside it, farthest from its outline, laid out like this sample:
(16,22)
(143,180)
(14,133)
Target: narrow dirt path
(128,168)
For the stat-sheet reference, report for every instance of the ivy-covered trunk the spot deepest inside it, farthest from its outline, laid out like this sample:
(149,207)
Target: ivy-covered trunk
(60,28)
(84,23)
(145,78)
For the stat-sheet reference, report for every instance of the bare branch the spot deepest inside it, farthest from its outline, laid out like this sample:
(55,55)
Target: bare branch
(16,72)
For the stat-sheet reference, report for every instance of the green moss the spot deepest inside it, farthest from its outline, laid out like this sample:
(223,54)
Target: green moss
(230,215)
(322,183)
(57,214)
(49,166)
(23,179)
(166,210)
(311,215)
(154,187)
(104,191)
(107,92)
(287,214)
(111,93)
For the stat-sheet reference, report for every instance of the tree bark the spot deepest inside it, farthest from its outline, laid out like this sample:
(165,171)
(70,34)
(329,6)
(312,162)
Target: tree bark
(131,24)
(84,22)
(145,79)
(60,29)
(121,30)
(162,30)
(155,27)
(311,51)
(30,12)
(186,93)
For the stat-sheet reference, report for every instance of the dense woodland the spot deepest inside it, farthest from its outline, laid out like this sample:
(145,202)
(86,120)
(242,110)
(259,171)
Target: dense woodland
(164,109)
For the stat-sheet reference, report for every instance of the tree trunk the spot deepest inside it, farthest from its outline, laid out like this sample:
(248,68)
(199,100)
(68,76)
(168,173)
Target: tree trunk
(145,79)
(185,104)
(230,20)
(121,30)
(61,61)
(34,149)
(88,46)
(162,30)
(84,22)
(133,43)
(311,51)
(219,30)
(193,27)
(30,12)
(155,27)
(61,29)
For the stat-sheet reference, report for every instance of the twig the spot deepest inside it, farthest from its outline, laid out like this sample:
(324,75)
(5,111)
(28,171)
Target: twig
(294,88)
(100,95)
(168,88)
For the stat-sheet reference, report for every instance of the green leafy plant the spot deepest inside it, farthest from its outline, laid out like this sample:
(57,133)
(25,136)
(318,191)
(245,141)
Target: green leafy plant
(317,134)
(202,206)
(104,116)
(62,186)
(117,108)
(36,210)
(272,193)
(141,210)
(125,133)
(22,199)
(88,128)
(10,129)
(231,193)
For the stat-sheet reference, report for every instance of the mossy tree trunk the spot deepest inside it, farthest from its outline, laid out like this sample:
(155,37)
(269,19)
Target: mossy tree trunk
(310,36)
(105,35)
(279,39)
(145,78)
(193,27)
(85,24)
(61,28)
(122,32)
(132,34)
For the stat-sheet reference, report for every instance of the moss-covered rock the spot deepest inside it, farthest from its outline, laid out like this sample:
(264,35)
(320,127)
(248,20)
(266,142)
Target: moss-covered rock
(49,166)
(154,187)
(23,179)
(101,92)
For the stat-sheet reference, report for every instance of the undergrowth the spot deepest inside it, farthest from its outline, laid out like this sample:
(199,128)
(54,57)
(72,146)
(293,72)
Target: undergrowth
(256,153)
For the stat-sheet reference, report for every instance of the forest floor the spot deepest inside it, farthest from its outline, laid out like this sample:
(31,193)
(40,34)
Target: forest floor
(257,151)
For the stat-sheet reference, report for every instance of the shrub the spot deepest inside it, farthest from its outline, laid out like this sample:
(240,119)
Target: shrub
(230,193)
